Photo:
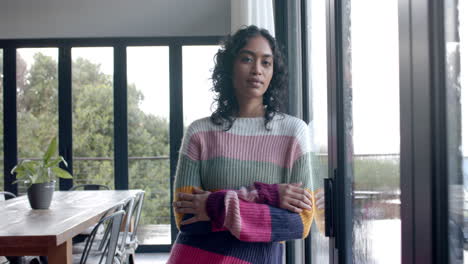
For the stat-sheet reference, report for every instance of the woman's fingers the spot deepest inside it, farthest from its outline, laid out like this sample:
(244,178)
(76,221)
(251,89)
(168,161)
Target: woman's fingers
(186,196)
(186,210)
(190,221)
(182,204)
(296,203)
(298,194)
(301,195)
(197,190)
(292,208)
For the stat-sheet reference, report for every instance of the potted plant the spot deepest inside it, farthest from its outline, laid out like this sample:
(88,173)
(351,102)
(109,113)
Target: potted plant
(39,176)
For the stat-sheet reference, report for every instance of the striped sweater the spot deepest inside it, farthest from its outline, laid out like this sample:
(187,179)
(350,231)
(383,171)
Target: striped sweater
(241,167)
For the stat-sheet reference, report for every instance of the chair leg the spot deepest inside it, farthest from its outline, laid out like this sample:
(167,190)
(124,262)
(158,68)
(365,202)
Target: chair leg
(131,259)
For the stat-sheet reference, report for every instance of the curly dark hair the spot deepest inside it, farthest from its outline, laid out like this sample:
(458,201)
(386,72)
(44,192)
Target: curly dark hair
(225,100)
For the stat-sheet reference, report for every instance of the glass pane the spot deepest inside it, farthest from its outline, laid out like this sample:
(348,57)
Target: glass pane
(1,121)
(93,115)
(198,63)
(317,63)
(37,101)
(148,139)
(456,26)
(371,107)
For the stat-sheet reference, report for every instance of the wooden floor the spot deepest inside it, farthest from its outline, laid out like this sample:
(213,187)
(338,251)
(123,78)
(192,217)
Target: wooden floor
(151,258)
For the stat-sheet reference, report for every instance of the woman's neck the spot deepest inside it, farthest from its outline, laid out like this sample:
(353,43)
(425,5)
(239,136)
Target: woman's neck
(251,110)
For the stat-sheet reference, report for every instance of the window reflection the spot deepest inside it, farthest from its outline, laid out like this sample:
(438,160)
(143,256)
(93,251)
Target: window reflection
(318,113)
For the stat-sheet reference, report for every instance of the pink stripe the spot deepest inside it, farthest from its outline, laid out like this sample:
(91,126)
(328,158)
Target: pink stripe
(256,224)
(233,218)
(266,148)
(183,254)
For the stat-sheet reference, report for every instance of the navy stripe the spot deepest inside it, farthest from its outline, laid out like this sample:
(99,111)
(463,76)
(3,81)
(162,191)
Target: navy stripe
(225,244)
(285,225)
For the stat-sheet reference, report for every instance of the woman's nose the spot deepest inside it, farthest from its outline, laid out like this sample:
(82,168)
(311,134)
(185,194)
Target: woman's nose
(256,69)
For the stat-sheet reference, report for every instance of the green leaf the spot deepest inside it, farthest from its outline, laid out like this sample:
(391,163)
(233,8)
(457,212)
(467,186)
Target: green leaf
(55,162)
(62,173)
(51,150)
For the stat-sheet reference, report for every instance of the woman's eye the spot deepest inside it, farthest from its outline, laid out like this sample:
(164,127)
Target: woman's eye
(267,63)
(246,59)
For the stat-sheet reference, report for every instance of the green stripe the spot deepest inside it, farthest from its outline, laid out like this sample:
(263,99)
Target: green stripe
(187,173)
(226,173)
(302,172)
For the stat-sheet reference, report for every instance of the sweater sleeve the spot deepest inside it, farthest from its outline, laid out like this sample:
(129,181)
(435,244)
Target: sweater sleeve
(262,222)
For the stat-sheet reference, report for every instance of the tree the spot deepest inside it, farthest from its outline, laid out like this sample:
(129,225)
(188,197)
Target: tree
(93,130)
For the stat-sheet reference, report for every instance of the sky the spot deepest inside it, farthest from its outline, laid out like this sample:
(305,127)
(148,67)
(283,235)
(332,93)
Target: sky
(374,74)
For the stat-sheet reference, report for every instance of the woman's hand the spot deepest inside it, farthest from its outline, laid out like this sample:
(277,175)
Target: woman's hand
(192,204)
(294,198)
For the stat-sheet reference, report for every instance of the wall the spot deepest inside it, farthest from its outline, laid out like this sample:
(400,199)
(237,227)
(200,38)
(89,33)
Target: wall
(113,18)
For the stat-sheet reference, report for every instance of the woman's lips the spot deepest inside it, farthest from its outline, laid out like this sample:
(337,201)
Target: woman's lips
(255,83)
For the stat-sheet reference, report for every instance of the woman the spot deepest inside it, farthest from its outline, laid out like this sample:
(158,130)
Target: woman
(243,180)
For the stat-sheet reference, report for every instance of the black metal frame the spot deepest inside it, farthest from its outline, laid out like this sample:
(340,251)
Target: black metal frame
(176,113)
(120,103)
(289,28)
(66,112)
(9,118)
(424,183)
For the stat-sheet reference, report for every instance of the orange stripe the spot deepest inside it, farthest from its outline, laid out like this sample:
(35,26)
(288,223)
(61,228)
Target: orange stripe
(307,216)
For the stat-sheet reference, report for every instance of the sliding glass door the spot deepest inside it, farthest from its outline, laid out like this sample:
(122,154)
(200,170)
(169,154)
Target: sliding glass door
(456,83)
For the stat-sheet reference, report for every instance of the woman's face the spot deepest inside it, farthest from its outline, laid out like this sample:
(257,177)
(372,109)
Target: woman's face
(253,69)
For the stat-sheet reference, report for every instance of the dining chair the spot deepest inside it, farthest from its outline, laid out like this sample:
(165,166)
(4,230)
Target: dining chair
(7,195)
(86,187)
(131,243)
(108,254)
(127,206)
(89,187)
(127,229)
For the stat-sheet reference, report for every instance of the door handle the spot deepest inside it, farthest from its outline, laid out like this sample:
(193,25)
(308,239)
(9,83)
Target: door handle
(329,204)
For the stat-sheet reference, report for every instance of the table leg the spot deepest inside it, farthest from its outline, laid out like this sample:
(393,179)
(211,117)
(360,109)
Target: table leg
(61,254)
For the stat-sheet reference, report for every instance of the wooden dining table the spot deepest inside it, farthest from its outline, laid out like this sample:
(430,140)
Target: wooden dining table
(28,232)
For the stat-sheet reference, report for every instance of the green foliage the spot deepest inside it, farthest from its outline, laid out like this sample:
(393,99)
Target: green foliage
(93,130)
(376,174)
(44,170)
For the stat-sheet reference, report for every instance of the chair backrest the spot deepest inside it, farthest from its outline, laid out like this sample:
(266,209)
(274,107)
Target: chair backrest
(7,195)
(90,187)
(113,221)
(137,213)
(128,208)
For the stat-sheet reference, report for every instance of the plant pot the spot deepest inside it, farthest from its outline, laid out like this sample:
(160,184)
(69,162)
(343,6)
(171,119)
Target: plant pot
(40,195)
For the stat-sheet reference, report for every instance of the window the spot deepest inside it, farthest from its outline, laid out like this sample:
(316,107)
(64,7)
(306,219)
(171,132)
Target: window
(372,125)
(148,139)
(152,153)
(37,101)
(198,64)
(456,48)
(93,115)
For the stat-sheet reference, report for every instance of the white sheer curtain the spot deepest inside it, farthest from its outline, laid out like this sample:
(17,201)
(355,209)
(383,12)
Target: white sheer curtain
(252,12)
